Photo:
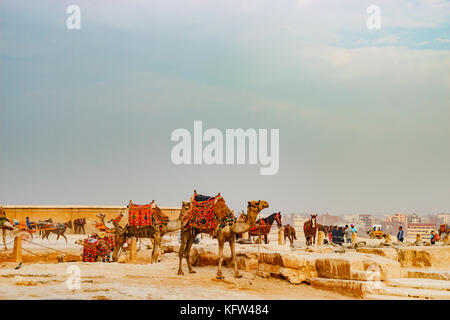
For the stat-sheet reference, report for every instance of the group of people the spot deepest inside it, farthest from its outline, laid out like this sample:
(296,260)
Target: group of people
(433,238)
(342,234)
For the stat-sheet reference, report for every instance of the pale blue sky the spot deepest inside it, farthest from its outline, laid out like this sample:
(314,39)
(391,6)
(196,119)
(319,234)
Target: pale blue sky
(86,115)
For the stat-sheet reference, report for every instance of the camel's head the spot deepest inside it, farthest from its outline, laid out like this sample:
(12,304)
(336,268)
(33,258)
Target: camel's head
(100,215)
(258,205)
(185,205)
(9,226)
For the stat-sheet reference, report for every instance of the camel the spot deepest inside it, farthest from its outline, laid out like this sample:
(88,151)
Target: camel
(154,232)
(6,225)
(226,230)
(310,229)
(289,232)
(109,225)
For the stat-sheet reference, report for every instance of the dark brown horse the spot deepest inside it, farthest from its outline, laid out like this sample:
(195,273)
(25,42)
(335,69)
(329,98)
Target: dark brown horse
(310,229)
(58,228)
(78,225)
(289,232)
(262,226)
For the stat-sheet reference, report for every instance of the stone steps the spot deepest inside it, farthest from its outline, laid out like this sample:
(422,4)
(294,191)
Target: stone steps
(419,283)
(414,293)
(426,273)
(387,297)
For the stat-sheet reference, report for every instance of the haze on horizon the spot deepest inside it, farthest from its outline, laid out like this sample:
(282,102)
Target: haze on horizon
(86,115)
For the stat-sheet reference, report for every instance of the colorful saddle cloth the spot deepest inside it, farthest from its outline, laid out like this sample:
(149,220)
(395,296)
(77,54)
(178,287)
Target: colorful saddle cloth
(201,214)
(98,247)
(140,215)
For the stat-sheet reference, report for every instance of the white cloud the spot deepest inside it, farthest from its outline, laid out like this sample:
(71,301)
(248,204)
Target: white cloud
(388,40)
(443,40)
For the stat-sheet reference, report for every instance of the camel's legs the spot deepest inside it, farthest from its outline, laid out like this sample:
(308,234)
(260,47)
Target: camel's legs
(187,250)
(233,255)
(116,251)
(219,267)
(4,238)
(180,252)
(64,237)
(155,251)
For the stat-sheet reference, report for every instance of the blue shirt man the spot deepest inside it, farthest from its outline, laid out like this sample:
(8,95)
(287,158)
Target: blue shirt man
(27,220)
(400,234)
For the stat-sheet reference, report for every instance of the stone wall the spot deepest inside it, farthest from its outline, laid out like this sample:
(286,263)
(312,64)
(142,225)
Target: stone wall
(69,213)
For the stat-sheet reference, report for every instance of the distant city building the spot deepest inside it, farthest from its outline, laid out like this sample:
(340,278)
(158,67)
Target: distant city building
(424,229)
(414,218)
(328,219)
(392,227)
(398,217)
(350,219)
(365,222)
(443,218)
(298,224)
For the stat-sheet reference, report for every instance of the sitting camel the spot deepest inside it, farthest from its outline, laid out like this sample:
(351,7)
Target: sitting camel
(226,230)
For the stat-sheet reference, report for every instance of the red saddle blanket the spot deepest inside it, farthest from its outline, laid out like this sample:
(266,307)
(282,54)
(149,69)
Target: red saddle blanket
(260,227)
(140,215)
(93,248)
(201,216)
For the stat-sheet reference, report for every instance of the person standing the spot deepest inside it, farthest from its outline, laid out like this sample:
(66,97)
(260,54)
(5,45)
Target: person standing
(348,234)
(433,237)
(400,234)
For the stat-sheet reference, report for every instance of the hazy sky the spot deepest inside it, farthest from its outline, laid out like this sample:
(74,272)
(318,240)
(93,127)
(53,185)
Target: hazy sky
(86,115)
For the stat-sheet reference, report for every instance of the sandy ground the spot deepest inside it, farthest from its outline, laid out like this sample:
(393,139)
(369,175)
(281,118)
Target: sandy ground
(39,280)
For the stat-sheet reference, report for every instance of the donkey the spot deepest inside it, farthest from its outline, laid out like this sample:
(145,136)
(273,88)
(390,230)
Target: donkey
(59,229)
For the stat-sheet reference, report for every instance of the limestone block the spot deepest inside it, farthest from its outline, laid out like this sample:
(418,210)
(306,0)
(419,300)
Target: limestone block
(389,253)
(419,257)
(356,266)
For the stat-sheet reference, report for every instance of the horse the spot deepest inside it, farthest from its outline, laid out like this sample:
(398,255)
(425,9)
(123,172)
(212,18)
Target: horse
(59,229)
(289,232)
(263,225)
(310,230)
(78,224)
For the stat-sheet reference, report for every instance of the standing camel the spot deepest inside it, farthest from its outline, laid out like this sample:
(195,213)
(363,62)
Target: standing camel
(310,229)
(155,232)
(289,232)
(225,231)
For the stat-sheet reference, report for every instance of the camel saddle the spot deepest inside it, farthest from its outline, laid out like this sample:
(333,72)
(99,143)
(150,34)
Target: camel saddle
(206,213)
